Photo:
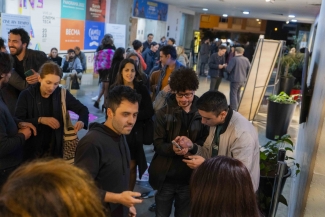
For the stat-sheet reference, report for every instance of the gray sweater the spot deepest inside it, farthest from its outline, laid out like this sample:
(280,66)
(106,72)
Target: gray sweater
(238,69)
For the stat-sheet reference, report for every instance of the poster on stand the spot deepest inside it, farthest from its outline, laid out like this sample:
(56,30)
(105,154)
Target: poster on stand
(150,10)
(45,21)
(73,9)
(72,34)
(118,32)
(96,10)
(12,21)
(94,33)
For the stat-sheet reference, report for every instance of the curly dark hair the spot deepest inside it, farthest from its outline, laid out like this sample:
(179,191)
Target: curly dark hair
(183,79)
(24,36)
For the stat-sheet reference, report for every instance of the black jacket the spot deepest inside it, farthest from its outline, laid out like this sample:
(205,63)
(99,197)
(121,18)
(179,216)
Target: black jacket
(11,142)
(167,127)
(29,109)
(150,58)
(33,59)
(135,138)
(107,159)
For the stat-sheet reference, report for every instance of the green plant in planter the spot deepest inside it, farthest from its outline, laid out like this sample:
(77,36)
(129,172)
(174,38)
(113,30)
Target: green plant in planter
(268,166)
(290,63)
(297,86)
(282,98)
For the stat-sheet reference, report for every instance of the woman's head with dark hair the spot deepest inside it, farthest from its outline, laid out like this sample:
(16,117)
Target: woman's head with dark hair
(6,62)
(50,68)
(183,79)
(50,76)
(119,54)
(222,186)
(107,40)
(128,72)
(135,57)
(2,45)
(137,45)
(154,46)
(54,52)
(53,188)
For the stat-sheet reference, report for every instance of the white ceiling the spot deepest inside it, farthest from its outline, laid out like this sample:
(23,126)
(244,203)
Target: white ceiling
(304,10)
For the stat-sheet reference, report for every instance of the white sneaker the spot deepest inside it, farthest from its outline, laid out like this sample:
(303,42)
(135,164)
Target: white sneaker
(94,98)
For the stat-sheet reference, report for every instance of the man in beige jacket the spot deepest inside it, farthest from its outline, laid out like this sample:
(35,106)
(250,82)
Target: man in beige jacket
(230,135)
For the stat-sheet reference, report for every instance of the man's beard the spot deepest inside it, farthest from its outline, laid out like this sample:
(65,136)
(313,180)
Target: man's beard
(18,50)
(71,58)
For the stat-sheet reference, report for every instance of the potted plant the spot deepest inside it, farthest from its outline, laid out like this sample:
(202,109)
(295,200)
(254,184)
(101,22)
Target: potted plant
(291,65)
(279,114)
(268,166)
(296,90)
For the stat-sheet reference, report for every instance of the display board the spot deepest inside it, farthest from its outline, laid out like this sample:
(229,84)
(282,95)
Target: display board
(118,32)
(265,56)
(150,10)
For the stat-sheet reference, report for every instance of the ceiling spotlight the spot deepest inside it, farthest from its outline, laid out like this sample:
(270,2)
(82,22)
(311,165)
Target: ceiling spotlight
(267,0)
(257,20)
(271,1)
(287,22)
(275,29)
(225,15)
(245,12)
(293,20)
(205,9)
(292,16)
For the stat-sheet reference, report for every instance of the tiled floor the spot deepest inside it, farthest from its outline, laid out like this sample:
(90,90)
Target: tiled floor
(90,89)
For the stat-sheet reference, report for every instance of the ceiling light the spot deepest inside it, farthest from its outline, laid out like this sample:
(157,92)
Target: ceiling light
(267,0)
(225,15)
(287,22)
(275,29)
(293,20)
(205,9)
(257,20)
(245,12)
(292,16)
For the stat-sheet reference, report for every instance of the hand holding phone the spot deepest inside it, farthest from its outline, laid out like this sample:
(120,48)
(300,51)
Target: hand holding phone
(177,145)
(29,73)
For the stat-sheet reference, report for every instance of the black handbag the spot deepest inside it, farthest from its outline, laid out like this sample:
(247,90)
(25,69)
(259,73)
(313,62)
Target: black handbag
(75,83)
(148,131)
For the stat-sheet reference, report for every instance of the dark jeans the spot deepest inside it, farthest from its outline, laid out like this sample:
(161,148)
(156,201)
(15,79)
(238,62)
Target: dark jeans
(202,68)
(235,90)
(215,83)
(165,197)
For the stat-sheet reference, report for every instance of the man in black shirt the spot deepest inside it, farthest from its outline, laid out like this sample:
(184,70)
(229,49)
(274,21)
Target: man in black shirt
(179,117)
(24,59)
(107,157)
(147,43)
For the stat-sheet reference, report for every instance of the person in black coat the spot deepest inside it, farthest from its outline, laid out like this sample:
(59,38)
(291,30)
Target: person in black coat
(53,56)
(40,105)
(13,132)
(128,75)
(150,57)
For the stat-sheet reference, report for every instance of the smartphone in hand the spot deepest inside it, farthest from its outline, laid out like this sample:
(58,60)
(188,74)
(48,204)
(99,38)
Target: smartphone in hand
(29,73)
(177,145)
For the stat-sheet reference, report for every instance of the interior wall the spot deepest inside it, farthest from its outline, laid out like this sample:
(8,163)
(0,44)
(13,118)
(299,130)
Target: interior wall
(308,188)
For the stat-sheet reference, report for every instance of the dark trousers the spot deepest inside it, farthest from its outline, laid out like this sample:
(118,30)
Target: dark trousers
(202,68)
(4,174)
(235,91)
(215,83)
(165,197)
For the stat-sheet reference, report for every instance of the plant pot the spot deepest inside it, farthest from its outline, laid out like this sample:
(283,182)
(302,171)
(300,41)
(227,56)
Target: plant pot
(286,84)
(294,92)
(278,119)
(265,190)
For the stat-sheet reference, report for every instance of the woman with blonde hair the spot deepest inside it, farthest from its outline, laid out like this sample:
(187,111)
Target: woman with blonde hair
(181,56)
(53,188)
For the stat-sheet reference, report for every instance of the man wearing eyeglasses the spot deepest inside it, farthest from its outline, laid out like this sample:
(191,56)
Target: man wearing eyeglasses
(179,117)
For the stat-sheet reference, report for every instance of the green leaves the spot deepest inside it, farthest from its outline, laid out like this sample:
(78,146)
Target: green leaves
(282,98)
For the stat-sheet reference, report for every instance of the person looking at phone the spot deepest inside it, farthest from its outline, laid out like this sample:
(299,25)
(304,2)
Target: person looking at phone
(179,117)
(24,60)
(71,67)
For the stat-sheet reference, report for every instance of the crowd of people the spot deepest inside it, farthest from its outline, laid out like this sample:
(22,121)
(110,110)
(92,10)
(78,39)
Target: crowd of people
(206,159)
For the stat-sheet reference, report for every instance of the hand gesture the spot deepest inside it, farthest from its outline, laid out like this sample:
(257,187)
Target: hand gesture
(166,89)
(194,161)
(177,151)
(51,122)
(22,125)
(78,126)
(26,131)
(184,142)
(132,212)
(127,198)
(33,79)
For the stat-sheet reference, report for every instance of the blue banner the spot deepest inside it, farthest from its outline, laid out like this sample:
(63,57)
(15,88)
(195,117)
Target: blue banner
(150,10)
(73,9)
(94,33)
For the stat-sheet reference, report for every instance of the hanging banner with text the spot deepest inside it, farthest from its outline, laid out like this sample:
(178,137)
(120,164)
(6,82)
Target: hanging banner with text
(96,10)
(150,10)
(94,33)
(12,21)
(72,34)
(118,32)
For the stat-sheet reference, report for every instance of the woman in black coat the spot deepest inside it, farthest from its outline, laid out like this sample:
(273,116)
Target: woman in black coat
(128,75)
(13,132)
(40,104)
